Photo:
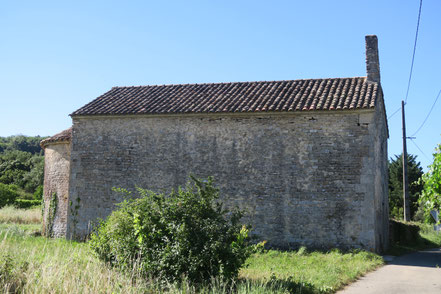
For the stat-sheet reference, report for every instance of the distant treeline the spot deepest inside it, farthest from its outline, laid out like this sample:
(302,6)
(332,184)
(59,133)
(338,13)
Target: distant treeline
(22,165)
(21,143)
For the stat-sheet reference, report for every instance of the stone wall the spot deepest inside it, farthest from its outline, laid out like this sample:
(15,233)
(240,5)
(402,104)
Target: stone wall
(56,184)
(305,178)
(381,177)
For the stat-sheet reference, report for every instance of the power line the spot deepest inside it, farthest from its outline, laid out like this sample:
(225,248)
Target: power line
(412,140)
(413,59)
(427,116)
(414,49)
(395,112)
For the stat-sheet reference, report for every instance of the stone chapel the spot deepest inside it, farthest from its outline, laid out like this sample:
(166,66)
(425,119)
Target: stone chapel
(306,158)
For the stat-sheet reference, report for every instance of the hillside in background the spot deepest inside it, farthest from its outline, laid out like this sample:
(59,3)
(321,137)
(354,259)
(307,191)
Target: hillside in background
(22,165)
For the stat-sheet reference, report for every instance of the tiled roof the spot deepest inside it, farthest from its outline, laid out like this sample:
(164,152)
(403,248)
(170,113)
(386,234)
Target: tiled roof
(297,95)
(63,136)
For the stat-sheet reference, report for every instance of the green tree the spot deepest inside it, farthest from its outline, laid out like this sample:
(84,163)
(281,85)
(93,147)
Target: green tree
(8,194)
(431,195)
(27,144)
(3,144)
(21,143)
(35,176)
(22,163)
(22,169)
(38,194)
(13,166)
(414,173)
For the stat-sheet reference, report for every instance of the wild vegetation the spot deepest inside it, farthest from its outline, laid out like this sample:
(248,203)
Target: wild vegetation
(425,196)
(21,170)
(431,195)
(185,234)
(415,171)
(424,188)
(12,215)
(30,263)
(413,236)
(59,266)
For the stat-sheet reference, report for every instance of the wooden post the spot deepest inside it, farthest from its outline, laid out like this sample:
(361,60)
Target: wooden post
(405,182)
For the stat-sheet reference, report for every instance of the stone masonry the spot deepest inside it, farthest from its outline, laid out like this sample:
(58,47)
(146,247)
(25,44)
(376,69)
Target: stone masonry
(302,179)
(56,185)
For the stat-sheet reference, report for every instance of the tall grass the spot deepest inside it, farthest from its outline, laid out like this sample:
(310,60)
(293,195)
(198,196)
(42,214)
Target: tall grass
(61,266)
(33,264)
(432,237)
(10,214)
(316,271)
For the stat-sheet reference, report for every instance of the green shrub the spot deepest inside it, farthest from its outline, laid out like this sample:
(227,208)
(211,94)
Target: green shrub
(25,203)
(187,234)
(38,194)
(431,195)
(8,194)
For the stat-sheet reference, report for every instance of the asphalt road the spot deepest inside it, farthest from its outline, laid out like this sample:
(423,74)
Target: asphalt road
(418,272)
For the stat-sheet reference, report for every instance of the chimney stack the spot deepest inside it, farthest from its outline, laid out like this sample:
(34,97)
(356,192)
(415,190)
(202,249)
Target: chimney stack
(372,59)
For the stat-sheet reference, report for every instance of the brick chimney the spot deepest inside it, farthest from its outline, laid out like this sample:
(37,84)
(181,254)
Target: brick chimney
(372,59)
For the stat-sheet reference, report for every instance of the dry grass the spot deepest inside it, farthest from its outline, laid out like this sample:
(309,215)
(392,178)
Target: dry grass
(10,214)
(41,265)
(60,266)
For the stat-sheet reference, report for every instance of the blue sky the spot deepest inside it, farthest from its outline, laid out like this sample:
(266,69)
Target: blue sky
(56,56)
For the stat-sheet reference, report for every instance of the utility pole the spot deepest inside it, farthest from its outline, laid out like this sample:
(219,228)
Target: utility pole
(405,182)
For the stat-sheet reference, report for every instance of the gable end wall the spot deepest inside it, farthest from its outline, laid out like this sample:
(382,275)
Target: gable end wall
(381,177)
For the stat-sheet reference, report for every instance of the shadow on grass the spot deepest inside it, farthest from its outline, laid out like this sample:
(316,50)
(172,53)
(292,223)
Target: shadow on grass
(280,285)
(409,237)
(420,244)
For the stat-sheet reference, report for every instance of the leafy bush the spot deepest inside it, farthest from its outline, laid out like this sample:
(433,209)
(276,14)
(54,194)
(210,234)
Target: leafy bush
(187,234)
(8,194)
(25,203)
(38,194)
(431,196)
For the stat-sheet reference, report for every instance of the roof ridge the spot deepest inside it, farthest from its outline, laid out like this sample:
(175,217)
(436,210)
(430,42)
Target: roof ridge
(229,83)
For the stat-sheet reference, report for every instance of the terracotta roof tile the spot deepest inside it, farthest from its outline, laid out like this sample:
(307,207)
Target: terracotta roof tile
(274,96)
(63,136)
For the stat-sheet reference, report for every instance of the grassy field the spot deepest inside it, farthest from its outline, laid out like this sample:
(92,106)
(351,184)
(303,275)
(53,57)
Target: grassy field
(9,215)
(33,264)
(325,272)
